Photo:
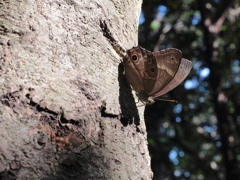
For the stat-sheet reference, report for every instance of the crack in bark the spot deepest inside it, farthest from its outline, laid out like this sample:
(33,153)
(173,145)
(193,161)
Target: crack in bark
(9,99)
(57,115)
(39,108)
(60,130)
(104,114)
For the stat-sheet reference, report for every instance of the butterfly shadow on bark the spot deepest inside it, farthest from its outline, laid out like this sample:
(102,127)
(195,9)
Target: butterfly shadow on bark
(127,102)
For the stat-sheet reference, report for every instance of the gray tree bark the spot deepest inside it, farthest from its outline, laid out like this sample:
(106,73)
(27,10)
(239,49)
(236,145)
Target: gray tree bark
(66,110)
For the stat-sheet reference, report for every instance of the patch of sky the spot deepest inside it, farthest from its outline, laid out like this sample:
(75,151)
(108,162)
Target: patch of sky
(191,84)
(216,138)
(141,18)
(173,156)
(201,99)
(214,127)
(236,62)
(178,119)
(197,65)
(177,108)
(196,18)
(187,174)
(235,66)
(170,133)
(201,88)
(181,153)
(162,10)
(204,72)
(218,144)
(237,79)
(209,129)
(236,69)
(192,106)
(177,173)
(204,90)
(204,84)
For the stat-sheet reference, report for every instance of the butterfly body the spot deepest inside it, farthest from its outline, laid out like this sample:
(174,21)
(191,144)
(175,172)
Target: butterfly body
(154,74)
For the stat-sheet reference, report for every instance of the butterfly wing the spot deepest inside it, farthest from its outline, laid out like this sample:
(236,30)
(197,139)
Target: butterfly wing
(154,74)
(132,74)
(182,72)
(168,62)
(140,69)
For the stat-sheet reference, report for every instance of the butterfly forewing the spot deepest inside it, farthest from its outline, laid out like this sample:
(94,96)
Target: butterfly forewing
(182,72)
(138,71)
(168,62)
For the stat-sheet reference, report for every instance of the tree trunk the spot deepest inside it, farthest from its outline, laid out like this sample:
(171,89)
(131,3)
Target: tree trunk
(66,111)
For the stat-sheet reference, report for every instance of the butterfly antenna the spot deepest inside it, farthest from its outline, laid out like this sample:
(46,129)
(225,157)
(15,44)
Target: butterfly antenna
(168,100)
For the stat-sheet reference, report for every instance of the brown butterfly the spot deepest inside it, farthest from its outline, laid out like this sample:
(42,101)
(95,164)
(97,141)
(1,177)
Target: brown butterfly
(152,74)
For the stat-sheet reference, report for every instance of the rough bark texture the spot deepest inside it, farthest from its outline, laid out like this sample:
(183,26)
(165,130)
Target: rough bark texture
(66,111)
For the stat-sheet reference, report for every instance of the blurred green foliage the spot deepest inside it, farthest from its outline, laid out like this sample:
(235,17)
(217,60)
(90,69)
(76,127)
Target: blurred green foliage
(198,138)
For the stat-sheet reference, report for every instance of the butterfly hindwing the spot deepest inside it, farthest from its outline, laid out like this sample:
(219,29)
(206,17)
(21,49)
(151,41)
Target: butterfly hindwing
(168,62)
(182,72)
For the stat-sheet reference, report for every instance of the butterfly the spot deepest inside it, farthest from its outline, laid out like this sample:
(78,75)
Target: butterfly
(152,74)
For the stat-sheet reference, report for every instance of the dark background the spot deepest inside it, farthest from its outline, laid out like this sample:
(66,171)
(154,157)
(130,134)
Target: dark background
(197,138)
